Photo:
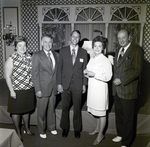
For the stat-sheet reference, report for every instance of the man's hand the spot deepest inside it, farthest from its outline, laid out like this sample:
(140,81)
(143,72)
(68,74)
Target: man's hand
(39,94)
(60,88)
(84,89)
(117,82)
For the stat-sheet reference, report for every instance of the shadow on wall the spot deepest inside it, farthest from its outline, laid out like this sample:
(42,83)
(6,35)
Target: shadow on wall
(144,89)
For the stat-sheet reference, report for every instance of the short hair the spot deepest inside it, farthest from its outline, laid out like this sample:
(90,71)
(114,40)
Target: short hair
(47,35)
(19,39)
(101,39)
(77,31)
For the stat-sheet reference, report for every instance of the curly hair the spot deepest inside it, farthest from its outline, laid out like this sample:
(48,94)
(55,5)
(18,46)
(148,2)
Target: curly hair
(19,39)
(101,39)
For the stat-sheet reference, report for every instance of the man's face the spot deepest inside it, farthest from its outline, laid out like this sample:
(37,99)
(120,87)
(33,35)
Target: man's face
(47,43)
(75,38)
(123,38)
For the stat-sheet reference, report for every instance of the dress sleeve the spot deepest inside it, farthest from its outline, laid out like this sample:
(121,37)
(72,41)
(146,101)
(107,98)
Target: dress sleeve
(105,72)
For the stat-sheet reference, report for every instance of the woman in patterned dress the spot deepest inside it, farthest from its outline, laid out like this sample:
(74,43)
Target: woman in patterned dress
(21,101)
(98,72)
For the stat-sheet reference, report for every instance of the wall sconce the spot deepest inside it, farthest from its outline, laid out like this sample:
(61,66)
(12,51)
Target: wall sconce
(9,34)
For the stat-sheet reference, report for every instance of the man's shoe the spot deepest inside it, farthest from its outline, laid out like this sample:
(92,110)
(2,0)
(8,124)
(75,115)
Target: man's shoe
(123,146)
(77,134)
(117,139)
(65,133)
(54,132)
(43,136)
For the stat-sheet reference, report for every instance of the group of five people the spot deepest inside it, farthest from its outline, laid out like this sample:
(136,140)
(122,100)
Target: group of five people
(68,73)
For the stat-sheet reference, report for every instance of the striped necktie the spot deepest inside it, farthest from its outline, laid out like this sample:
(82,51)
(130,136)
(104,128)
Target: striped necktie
(49,58)
(121,54)
(73,56)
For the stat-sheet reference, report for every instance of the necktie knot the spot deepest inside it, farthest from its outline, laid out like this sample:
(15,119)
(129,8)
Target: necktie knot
(73,51)
(122,52)
(48,54)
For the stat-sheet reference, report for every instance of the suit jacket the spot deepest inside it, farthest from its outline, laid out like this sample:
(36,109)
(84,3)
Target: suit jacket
(128,70)
(66,70)
(44,77)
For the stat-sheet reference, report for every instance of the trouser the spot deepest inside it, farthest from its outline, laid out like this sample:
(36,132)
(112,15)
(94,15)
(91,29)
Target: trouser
(46,113)
(125,112)
(68,96)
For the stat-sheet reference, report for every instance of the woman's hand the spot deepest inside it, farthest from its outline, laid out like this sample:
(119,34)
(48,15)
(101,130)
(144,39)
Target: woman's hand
(85,71)
(13,94)
(88,73)
(91,74)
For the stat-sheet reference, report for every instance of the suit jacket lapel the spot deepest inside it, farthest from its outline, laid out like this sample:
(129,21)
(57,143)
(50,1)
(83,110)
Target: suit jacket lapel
(78,56)
(124,56)
(69,56)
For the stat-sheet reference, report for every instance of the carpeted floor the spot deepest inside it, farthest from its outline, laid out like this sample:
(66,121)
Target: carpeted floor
(71,141)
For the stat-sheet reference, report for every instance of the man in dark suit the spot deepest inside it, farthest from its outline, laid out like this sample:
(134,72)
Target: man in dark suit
(71,82)
(44,68)
(127,70)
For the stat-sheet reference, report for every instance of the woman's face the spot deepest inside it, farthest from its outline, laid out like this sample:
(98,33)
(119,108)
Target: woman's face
(21,47)
(98,47)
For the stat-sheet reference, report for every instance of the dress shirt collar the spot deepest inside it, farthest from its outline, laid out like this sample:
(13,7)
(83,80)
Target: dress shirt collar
(76,48)
(46,52)
(125,48)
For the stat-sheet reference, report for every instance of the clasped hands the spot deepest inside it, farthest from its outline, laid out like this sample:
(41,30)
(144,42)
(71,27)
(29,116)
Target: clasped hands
(88,73)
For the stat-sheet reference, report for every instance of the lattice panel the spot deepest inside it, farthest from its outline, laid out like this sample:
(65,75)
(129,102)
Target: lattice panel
(146,42)
(29,15)
(30,26)
(145,80)
(59,2)
(1,47)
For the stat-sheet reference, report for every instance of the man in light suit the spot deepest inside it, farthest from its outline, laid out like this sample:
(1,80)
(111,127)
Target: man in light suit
(71,83)
(127,71)
(44,68)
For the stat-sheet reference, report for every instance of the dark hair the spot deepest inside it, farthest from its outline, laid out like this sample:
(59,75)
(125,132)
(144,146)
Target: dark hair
(47,35)
(77,31)
(19,39)
(82,42)
(100,39)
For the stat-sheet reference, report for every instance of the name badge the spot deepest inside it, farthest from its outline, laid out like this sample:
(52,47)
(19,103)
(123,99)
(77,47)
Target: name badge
(81,60)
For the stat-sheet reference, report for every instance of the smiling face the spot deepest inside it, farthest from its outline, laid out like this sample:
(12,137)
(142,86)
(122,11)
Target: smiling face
(98,47)
(74,38)
(123,38)
(47,43)
(21,47)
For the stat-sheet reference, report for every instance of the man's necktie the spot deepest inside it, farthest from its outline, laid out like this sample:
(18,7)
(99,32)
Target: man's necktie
(121,54)
(73,56)
(49,58)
